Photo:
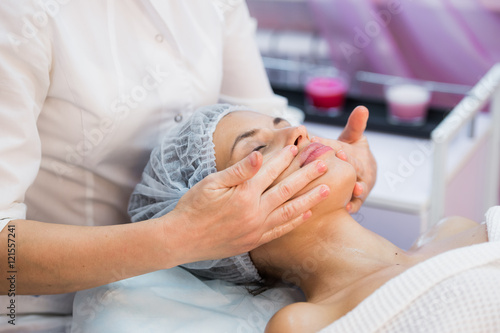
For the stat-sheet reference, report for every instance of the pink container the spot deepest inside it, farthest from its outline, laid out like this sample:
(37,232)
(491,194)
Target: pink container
(326,94)
(407,104)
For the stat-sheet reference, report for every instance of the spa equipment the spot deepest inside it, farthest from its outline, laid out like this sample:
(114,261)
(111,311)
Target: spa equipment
(407,103)
(325,90)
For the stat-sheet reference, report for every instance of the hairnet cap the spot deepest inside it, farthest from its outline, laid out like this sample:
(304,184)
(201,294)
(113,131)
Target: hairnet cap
(183,158)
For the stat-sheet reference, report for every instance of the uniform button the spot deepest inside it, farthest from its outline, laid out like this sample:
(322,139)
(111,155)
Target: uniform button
(178,118)
(159,38)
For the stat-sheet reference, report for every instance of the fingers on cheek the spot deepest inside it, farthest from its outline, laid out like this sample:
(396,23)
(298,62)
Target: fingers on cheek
(255,159)
(353,206)
(315,139)
(358,190)
(341,155)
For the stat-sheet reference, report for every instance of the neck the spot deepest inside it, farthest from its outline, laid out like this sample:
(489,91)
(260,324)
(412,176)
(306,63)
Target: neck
(333,251)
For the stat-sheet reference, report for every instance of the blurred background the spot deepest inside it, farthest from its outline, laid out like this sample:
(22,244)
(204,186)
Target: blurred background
(453,42)
(447,46)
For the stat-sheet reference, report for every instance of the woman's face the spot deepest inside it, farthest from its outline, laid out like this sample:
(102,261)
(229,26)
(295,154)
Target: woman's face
(239,133)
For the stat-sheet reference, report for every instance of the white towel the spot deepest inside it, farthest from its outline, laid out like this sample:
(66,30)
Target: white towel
(456,291)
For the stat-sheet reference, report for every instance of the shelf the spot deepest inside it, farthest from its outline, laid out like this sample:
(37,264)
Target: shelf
(378,115)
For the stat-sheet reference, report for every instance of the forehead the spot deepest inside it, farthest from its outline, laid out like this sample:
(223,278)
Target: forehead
(232,125)
(244,119)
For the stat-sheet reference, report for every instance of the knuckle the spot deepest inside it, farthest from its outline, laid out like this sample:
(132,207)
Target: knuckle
(285,191)
(238,170)
(277,233)
(287,212)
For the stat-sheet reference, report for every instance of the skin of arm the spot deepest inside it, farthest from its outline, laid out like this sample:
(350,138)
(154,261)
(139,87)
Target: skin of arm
(56,258)
(229,212)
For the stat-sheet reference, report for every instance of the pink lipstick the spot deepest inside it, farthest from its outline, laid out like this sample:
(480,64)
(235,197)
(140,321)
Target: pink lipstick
(312,152)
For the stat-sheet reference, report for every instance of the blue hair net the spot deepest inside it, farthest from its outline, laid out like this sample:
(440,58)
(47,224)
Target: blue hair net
(184,157)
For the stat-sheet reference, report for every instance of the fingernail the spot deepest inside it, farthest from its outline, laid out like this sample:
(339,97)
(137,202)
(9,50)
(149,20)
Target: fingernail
(321,166)
(253,159)
(342,155)
(294,150)
(307,215)
(348,207)
(359,189)
(324,191)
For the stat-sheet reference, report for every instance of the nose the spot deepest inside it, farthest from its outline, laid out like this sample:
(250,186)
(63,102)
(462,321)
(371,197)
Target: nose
(297,136)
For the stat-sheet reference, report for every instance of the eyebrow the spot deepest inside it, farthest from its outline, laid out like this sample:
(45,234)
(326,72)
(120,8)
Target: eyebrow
(251,133)
(277,120)
(247,134)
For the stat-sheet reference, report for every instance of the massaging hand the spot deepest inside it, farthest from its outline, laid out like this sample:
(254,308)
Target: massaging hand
(231,212)
(352,146)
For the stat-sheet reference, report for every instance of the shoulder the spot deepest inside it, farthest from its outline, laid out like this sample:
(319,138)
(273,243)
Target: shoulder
(447,227)
(453,225)
(300,317)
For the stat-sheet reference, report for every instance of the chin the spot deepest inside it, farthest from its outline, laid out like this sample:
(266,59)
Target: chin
(341,178)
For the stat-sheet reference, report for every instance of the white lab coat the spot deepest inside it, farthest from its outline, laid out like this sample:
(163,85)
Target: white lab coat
(87,87)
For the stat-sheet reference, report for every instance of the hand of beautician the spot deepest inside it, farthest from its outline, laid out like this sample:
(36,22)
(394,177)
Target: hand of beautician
(352,146)
(228,213)
(234,211)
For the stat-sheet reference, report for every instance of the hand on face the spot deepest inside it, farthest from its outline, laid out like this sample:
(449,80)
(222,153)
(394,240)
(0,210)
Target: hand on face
(240,133)
(231,212)
(236,210)
(352,146)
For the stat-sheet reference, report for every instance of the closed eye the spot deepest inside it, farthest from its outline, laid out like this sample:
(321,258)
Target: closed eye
(259,148)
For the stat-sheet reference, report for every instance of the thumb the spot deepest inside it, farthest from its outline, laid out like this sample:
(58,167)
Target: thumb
(240,172)
(356,125)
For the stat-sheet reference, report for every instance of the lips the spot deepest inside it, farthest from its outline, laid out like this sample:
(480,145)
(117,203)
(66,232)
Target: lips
(312,152)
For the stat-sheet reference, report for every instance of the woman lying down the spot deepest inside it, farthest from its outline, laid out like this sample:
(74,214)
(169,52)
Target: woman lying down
(353,279)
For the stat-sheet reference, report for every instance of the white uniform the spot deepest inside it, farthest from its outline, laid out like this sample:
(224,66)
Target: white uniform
(88,86)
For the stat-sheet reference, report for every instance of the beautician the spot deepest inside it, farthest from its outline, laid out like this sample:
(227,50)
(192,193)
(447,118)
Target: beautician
(87,88)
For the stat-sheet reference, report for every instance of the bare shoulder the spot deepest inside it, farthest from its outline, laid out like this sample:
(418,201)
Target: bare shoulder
(445,228)
(453,225)
(300,317)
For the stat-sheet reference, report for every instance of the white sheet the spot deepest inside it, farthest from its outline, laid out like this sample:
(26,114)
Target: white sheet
(175,301)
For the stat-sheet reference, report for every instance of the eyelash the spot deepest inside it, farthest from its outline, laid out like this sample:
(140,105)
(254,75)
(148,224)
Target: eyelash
(259,148)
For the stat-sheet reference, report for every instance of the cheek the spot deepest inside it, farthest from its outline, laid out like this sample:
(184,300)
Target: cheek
(341,181)
(341,178)
(294,166)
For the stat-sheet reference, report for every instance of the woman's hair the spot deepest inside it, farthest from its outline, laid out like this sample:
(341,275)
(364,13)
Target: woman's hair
(184,157)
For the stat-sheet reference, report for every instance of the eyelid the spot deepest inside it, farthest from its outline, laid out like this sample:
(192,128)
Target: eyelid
(259,147)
